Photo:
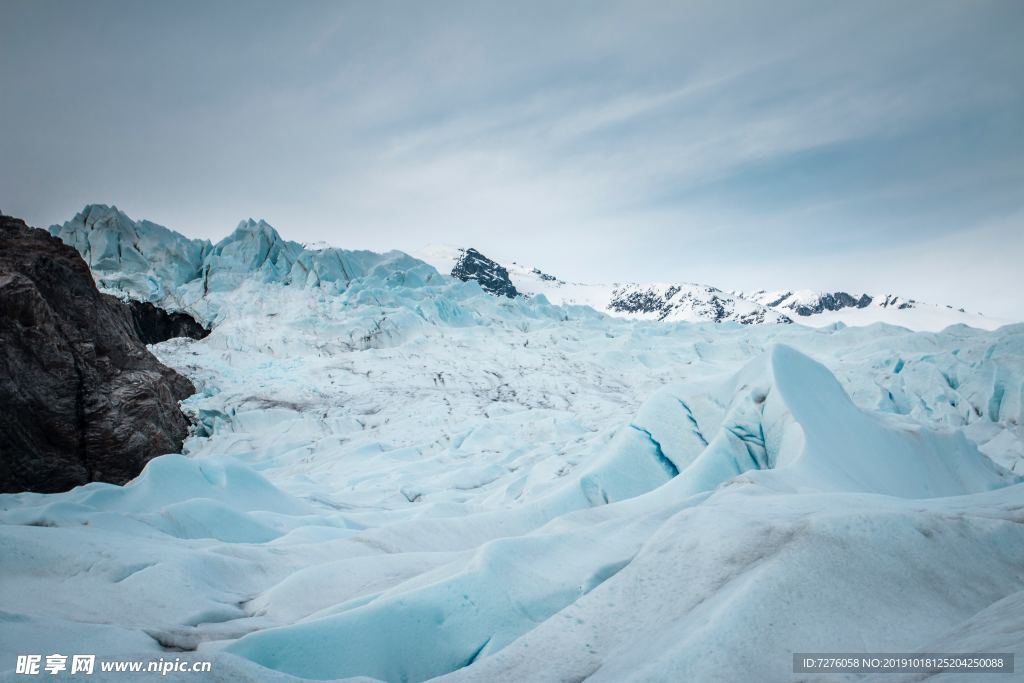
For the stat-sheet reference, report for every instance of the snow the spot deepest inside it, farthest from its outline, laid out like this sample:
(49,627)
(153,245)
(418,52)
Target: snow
(395,475)
(926,318)
(658,301)
(889,308)
(696,302)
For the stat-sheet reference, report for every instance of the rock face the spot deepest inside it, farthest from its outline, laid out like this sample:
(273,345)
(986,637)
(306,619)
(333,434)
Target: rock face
(492,276)
(833,301)
(818,302)
(81,399)
(153,324)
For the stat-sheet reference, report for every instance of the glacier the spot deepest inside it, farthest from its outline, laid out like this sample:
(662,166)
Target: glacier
(393,475)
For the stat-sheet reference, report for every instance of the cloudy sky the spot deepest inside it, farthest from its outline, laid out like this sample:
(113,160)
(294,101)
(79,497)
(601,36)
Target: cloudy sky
(855,145)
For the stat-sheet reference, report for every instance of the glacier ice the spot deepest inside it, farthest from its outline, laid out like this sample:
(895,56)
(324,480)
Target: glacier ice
(398,476)
(141,258)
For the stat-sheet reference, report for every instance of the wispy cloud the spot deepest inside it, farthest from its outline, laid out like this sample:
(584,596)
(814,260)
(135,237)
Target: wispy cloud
(747,142)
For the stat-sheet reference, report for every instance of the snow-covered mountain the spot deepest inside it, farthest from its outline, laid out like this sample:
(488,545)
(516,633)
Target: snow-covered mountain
(398,475)
(818,309)
(148,262)
(666,302)
(696,302)
(688,302)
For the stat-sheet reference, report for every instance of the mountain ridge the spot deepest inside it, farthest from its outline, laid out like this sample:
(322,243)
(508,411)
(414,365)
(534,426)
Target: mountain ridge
(148,262)
(669,301)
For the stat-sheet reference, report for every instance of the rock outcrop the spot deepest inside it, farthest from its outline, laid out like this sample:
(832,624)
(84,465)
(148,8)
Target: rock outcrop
(154,325)
(81,398)
(492,276)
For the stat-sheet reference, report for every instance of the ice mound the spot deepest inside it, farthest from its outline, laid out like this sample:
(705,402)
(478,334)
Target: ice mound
(791,422)
(846,448)
(789,414)
(174,494)
(727,589)
(147,558)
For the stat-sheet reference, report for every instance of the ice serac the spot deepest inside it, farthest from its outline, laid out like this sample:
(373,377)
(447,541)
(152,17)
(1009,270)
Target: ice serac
(81,399)
(791,419)
(141,259)
(254,249)
(492,276)
(846,448)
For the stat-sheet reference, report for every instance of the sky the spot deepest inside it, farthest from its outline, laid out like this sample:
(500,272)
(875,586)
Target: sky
(864,146)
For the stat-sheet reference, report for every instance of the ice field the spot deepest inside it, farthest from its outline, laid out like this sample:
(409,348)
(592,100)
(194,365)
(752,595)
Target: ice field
(394,475)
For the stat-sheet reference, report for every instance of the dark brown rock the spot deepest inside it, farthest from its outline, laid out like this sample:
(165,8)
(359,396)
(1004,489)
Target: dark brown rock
(154,325)
(81,398)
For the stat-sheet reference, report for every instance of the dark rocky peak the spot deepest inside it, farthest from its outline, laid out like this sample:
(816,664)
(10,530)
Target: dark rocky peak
(81,398)
(492,276)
